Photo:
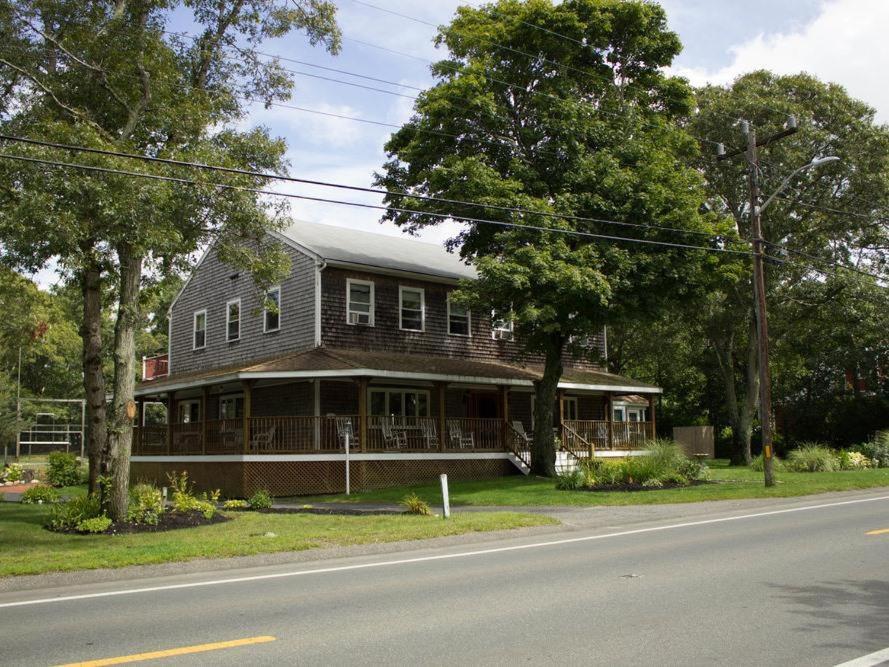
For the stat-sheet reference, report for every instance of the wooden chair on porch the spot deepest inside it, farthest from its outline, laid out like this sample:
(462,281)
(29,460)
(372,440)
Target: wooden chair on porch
(430,434)
(519,429)
(458,439)
(345,432)
(263,442)
(392,437)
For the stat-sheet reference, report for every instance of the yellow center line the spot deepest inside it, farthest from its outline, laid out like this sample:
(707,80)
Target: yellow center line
(170,652)
(881,531)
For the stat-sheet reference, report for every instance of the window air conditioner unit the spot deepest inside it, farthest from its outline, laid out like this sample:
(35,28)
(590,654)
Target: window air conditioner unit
(359,318)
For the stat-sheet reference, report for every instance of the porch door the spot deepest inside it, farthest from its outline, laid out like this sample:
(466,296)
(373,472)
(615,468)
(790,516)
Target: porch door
(483,405)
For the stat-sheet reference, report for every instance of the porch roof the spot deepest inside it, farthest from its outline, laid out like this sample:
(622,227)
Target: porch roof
(332,363)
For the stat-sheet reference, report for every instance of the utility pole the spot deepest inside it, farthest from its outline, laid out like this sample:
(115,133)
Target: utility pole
(759,283)
(759,300)
(18,410)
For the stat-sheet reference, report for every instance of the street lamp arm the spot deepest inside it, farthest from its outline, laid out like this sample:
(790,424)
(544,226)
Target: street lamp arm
(814,163)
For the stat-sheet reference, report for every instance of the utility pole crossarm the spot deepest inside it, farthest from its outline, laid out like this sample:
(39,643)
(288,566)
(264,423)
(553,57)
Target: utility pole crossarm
(759,144)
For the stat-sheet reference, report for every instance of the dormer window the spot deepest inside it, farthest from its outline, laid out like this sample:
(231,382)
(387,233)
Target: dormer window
(233,320)
(412,308)
(501,328)
(360,302)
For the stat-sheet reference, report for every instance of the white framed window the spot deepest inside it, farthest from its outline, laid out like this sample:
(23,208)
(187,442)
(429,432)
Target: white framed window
(233,320)
(501,328)
(399,402)
(189,411)
(411,308)
(271,320)
(618,414)
(360,302)
(231,406)
(199,330)
(459,319)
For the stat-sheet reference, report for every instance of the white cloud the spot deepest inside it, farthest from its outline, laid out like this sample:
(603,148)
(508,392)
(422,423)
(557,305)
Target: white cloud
(845,44)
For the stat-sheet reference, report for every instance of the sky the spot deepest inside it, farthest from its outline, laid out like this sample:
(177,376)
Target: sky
(842,41)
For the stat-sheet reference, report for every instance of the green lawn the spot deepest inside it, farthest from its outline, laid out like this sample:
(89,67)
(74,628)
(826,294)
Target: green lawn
(30,549)
(731,483)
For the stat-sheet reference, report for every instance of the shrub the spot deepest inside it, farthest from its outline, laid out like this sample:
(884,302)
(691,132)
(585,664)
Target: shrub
(571,480)
(413,504)
(14,472)
(811,457)
(98,524)
(877,449)
(653,483)
(261,500)
(40,494)
(63,470)
(757,463)
(67,516)
(146,504)
(184,499)
(235,505)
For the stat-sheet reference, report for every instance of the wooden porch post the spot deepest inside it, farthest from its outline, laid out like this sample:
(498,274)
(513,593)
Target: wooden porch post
(651,417)
(609,417)
(441,388)
(504,411)
(248,412)
(171,415)
(362,413)
(140,422)
(205,401)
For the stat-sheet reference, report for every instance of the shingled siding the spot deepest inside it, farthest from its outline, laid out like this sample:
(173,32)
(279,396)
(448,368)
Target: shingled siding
(211,286)
(435,340)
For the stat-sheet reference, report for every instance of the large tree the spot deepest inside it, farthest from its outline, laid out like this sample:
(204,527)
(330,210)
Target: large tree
(827,216)
(558,109)
(111,75)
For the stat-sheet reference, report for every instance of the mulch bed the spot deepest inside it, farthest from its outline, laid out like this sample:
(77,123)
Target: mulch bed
(344,511)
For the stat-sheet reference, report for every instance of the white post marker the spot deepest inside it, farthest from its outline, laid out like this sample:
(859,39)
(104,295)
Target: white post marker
(347,464)
(445,500)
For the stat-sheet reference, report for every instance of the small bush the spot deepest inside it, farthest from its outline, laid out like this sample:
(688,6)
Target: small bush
(13,472)
(146,504)
(261,500)
(811,457)
(66,516)
(63,470)
(40,494)
(413,504)
(848,460)
(757,464)
(877,449)
(98,524)
(570,480)
(235,505)
(184,499)
(653,483)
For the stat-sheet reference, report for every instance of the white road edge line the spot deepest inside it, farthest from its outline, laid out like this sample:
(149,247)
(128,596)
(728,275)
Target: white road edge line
(868,660)
(424,559)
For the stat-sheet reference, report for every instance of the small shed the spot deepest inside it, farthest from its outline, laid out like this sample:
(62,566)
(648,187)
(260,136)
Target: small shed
(695,440)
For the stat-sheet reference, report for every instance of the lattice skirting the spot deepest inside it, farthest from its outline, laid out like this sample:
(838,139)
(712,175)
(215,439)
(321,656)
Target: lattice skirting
(294,478)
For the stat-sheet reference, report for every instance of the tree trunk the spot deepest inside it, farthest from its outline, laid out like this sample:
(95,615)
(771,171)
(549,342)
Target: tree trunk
(543,448)
(93,378)
(120,435)
(740,410)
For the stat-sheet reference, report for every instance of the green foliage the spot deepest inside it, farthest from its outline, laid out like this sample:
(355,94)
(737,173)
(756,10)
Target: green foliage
(184,499)
(261,500)
(850,460)
(756,463)
(40,494)
(664,464)
(68,515)
(413,504)
(97,524)
(13,472)
(877,449)
(235,504)
(146,504)
(811,457)
(570,480)
(63,470)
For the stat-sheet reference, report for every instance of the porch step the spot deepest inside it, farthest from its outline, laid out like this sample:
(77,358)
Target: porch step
(518,463)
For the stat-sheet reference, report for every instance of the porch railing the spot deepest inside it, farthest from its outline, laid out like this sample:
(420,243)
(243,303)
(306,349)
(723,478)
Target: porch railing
(402,433)
(303,435)
(620,435)
(476,434)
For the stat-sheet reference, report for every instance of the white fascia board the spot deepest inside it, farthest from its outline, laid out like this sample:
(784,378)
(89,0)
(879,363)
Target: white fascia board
(188,280)
(398,273)
(281,458)
(296,245)
(611,388)
(185,384)
(394,375)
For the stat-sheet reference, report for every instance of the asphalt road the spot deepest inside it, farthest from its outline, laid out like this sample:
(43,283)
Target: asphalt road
(794,583)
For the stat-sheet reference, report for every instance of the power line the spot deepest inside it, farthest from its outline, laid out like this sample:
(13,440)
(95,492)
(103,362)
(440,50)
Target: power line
(832,263)
(445,216)
(355,188)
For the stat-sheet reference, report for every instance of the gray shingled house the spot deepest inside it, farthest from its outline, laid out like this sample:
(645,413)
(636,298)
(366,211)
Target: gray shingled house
(366,349)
